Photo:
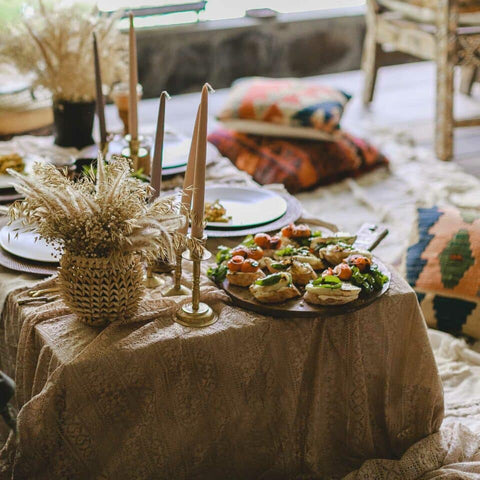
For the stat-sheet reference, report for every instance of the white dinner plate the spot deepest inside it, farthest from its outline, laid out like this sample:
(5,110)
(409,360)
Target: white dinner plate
(26,245)
(175,151)
(60,160)
(247,207)
(7,181)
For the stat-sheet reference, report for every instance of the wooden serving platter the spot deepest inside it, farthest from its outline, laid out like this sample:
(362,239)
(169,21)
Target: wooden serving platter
(298,307)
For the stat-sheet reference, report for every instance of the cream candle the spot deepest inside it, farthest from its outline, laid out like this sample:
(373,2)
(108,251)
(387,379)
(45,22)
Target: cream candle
(198,202)
(156,176)
(99,92)
(189,173)
(133,80)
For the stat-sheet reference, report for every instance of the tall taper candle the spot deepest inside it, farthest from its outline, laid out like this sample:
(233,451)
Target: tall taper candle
(200,165)
(190,172)
(100,99)
(133,80)
(156,176)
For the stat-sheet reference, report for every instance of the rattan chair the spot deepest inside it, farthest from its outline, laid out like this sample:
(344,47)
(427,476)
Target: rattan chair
(446,31)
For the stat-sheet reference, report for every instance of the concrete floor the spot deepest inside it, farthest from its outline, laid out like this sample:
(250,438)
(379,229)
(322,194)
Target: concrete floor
(404,101)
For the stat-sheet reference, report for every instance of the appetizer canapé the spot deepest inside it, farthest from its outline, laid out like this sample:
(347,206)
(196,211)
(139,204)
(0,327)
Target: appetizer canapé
(11,160)
(301,272)
(274,288)
(216,212)
(301,254)
(335,253)
(243,271)
(330,290)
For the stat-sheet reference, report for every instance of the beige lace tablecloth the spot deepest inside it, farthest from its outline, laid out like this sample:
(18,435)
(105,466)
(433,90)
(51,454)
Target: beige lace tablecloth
(249,397)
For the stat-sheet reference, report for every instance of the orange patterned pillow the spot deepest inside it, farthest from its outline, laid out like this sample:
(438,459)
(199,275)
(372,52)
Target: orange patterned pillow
(287,102)
(298,164)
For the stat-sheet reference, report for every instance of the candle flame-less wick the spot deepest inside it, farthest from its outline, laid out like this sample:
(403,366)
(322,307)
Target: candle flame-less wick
(166,95)
(210,88)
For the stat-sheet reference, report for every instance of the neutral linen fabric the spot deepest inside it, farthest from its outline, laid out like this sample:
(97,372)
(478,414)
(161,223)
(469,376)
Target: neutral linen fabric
(250,397)
(415,179)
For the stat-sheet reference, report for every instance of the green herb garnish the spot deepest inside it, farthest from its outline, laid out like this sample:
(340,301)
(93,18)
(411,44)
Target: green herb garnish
(285,252)
(218,273)
(328,281)
(303,242)
(269,280)
(369,281)
(289,250)
(223,254)
(248,241)
(279,266)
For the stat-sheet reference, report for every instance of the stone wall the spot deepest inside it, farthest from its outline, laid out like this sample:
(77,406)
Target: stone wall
(181,59)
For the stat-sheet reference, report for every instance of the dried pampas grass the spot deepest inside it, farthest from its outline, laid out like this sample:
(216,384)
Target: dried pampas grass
(55,43)
(102,215)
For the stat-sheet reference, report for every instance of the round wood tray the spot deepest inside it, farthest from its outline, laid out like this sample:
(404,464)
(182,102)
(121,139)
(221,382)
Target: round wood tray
(293,213)
(297,307)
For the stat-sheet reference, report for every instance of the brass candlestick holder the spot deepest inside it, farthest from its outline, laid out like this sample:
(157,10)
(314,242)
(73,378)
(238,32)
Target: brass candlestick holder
(159,266)
(140,156)
(151,280)
(196,314)
(178,288)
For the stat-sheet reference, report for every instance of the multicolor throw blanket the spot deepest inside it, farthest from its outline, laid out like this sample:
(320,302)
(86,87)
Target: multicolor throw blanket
(298,164)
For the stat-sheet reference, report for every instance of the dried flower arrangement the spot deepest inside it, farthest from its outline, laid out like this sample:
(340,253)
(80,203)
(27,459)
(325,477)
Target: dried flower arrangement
(106,226)
(100,215)
(55,42)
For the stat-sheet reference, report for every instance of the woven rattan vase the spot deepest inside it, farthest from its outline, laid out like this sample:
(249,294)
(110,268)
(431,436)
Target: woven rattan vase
(99,290)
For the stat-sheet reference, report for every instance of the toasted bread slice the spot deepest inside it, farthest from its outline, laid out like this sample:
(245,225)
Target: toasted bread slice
(265,295)
(244,279)
(318,295)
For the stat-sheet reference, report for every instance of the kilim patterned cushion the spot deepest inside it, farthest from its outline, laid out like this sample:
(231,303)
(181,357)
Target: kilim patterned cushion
(298,164)
(443,267)
(285,101)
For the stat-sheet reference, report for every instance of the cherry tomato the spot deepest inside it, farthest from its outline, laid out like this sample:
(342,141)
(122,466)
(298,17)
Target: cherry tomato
(275,242)
(241,250)
(235,263)
(249,265)
(288,230)
(256,253)
(262,240)
(302,231)
(343,271)
(361,262)
(326,272)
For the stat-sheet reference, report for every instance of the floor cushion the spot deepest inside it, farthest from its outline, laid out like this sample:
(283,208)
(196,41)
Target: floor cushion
(298,164)
(306,109)
(443,266)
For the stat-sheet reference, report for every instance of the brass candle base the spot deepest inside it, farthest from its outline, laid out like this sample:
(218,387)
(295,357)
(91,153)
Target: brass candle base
(140,156)
(178,288)
(202,317)
(151,280)
(196,314)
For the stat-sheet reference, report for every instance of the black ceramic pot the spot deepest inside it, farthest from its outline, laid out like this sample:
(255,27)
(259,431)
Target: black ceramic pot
(73,123)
